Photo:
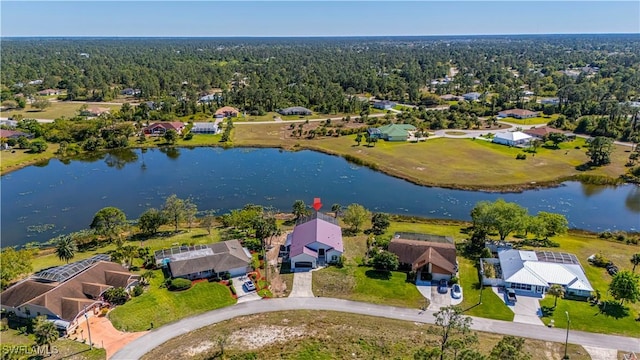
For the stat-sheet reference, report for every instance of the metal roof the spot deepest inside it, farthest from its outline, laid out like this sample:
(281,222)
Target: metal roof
(65,272)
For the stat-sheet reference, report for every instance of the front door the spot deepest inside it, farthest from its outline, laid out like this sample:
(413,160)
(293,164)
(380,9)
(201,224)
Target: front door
(320,252)
(539,289)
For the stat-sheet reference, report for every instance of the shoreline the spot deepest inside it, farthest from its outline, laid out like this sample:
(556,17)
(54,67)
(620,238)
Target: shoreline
(503,189)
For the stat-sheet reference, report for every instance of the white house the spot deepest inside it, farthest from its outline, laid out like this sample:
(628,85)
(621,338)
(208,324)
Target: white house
(514,138)
(315,241)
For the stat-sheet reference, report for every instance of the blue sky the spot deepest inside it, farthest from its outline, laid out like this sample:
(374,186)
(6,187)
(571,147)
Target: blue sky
(315,18)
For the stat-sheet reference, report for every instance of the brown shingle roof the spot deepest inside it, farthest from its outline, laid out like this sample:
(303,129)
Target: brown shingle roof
(24,291)
(419,253)
(227,110)
(542,131)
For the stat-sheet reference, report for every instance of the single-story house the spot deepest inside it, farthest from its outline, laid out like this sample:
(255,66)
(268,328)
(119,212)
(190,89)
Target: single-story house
(63,293)
(315,241)
(432,257)
(211,98)
(533,272)
(374,133)
(550,101)
(450,97)
(511,138)
(13,134)
(36,82)
(151,105)
(205,128)
(47,92)
(130,92)
(384,104)
(203,261)
(95,111)
(225,112)
(160,128)
(295,110)
(396,132)
(542,132)
(472,96)
(517,113)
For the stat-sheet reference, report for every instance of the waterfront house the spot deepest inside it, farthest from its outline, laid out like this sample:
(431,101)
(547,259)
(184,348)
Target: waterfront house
(432,257)
(315,241)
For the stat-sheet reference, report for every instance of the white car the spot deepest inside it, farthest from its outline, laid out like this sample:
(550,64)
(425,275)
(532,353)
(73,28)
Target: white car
(456,291)
(248,285)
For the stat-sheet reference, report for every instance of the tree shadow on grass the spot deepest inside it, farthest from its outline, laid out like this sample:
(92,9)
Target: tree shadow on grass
(613,309)
(198,236)
(378,275)
(547,311)
(584,167)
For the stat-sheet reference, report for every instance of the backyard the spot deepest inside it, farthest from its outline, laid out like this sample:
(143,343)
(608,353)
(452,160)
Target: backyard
(56,110)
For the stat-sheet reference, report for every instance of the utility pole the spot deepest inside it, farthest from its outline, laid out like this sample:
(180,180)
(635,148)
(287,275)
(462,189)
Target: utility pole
(566,341)
(88,328)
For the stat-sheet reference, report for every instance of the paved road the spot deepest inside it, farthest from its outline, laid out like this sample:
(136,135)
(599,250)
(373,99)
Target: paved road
(137,348)
(298,121)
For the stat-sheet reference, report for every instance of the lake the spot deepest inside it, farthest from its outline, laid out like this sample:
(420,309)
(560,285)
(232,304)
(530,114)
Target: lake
(42,201)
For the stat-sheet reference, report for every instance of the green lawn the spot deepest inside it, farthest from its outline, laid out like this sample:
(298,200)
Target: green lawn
(56,110)
(161,306)
(361,283)
(492,306)
(17,158)
(538,120)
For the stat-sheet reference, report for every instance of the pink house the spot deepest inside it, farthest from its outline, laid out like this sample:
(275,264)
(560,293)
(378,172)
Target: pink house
(315,241)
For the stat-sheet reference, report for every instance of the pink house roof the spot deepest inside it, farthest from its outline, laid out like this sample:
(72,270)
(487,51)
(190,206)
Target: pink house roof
(314,230)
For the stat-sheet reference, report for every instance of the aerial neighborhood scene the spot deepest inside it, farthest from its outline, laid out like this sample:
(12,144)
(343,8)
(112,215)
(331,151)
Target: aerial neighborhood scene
(372,180)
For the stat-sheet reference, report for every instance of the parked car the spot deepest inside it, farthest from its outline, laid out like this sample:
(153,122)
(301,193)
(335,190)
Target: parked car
(612,269)
(442,286)
(248,285)
(456,291)
(511,295)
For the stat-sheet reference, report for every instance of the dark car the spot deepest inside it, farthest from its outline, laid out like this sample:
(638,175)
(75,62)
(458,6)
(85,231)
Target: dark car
(442,286)
(511,295)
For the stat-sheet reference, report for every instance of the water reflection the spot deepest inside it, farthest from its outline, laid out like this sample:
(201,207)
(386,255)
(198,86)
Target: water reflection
(172,153)
(632,201)
(119,158)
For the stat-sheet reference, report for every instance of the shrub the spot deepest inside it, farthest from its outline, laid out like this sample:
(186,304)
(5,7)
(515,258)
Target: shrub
(453,280)
(137,291)
(600,260)
(233,290)
(179,284)
(230,282)
(521,156)
(189,136)
(226,276)
(116,296)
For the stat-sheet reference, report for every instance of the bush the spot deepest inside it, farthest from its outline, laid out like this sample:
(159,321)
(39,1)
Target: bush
(179,284)
(453,280)
(137,291)
(521,156)
(233,290)
(226,276)
(230,282)
(600,260)
(189,136)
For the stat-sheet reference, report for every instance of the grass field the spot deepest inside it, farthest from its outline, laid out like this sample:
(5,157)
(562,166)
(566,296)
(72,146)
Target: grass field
(17,158)
(61,349)
(56,110)
(326,335)
(538,120)
(471,164)
(161,306)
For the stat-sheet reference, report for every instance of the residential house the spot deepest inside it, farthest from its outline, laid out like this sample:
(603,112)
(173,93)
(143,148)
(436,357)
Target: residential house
(130,92)
(450,97)
(542,132)
(13,134)
(472,96)
(374,133)
(213,97)
(384,104)
(64,293)
(517,113)
(48,92)
(225,112)
(515,138)
(315,241)
(35,82)
(160,128)
(205,128)
(295,110)
(550,101)
(432,257)
(531,273)
(204,261)
(396,132)
(95,111)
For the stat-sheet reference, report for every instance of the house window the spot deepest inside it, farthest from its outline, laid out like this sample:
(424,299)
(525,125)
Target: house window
(517,286)
(334,258)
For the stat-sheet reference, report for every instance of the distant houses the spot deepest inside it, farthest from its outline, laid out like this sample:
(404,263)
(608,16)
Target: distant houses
(472,96)
(295,110)
(205,261)
(544,131)
(161,128)
(226,112)
(315,241)
(384,104)
(13,134)
(450,97)
(432,257)
(512,138)
(550,101)
(392,132)
(95,111)
(205,128)
(130,92)
(517,114)
(49,92)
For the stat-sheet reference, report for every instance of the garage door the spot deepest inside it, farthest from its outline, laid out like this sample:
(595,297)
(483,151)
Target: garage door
(303,264)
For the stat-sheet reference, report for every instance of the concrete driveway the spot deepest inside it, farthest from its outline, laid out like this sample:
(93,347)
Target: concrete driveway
(526,309)
(104,335)
(302,285)
(439,300)
(243,295)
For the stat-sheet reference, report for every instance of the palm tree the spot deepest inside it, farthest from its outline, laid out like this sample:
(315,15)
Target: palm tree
(556,291)
(45,332)
(635,260)
(66,248)
(336,208)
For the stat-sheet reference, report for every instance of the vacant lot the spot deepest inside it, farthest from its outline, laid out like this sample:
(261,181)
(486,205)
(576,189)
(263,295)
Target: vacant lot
(325,335)
(57,110)
(538,120)
(469,163)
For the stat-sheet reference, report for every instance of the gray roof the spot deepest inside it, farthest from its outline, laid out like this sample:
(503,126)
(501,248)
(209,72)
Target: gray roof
(219,257)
